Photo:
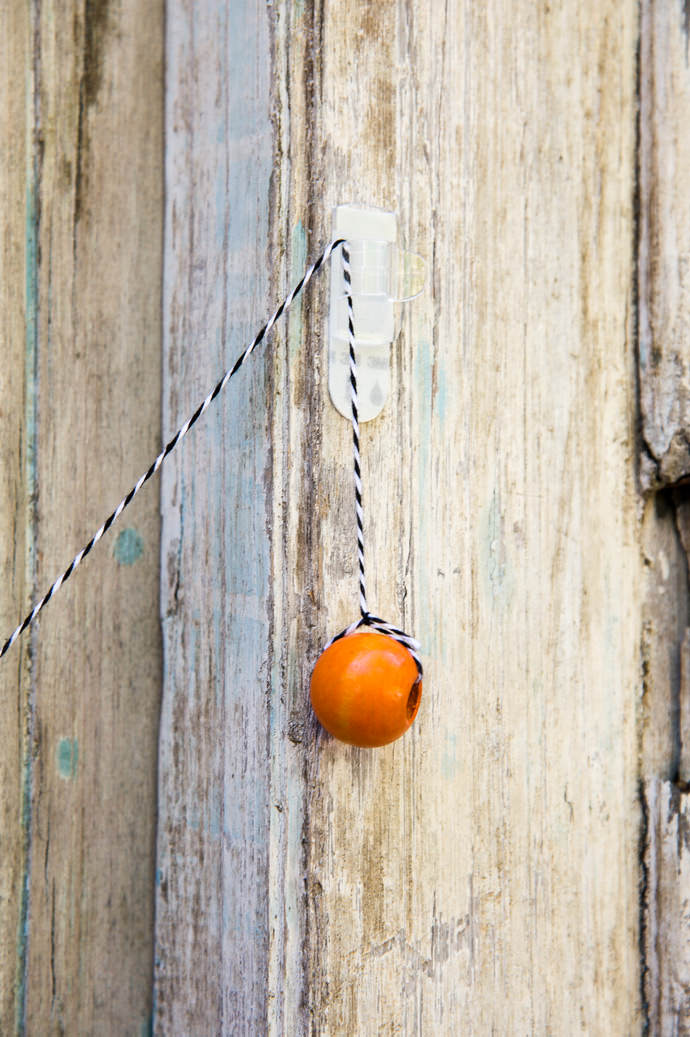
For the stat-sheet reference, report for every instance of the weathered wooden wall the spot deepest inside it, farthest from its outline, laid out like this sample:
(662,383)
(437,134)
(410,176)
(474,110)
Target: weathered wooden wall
(81,199)
(516,863)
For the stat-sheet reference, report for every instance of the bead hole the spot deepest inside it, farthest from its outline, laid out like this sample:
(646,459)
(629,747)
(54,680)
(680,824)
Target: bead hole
(413,700)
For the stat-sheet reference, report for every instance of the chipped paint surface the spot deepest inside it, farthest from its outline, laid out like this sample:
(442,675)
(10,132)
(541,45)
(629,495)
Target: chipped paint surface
(129,547)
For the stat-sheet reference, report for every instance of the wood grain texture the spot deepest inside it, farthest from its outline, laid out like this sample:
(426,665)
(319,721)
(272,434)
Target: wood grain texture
(480,875)
(667,901)
(17,334)
(684,708)
(449,863)
(212,929)
(89,76)
(664,255)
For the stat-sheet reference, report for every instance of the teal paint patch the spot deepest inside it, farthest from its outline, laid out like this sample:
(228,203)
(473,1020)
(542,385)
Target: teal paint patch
(67,758)
(129,547)
(146,1029)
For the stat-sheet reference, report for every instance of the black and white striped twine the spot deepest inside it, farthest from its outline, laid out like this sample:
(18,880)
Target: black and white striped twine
(366,618)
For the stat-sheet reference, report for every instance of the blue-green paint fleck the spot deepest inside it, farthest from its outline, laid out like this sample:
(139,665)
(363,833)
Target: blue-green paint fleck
(129,547)
(146,1029)
(67,758)
(299,261)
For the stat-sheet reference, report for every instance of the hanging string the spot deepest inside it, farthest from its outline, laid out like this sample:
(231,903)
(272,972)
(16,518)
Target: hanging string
(359,510)
(366,617)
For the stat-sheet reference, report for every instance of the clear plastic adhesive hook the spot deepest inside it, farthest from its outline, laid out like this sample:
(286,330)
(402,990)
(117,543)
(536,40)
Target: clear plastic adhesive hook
(382,276)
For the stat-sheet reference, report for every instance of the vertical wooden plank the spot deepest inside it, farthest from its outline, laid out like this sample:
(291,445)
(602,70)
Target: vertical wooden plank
(666,885)
(446,874)
(211,915)
(92,260)
(17,329)
(343,145)
(481,875)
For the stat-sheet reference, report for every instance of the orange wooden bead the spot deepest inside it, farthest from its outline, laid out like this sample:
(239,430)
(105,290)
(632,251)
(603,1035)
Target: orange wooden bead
(364,689)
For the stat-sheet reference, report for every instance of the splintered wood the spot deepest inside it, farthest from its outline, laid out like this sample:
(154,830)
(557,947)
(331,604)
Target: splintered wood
(666,889)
